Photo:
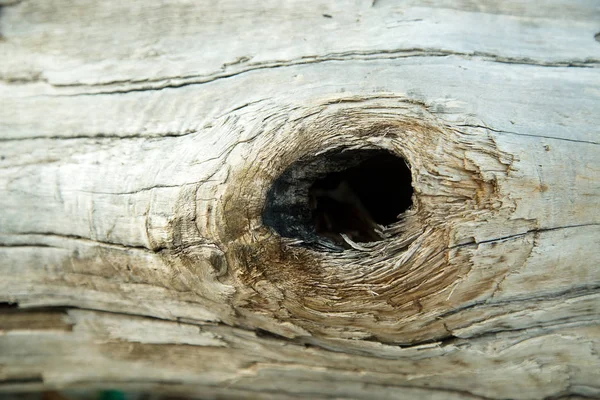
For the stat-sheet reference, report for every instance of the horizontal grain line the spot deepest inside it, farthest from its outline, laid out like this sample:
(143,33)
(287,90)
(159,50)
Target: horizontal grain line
(76,238)
(141,190)
(311,394)
(571,293)
(527,134)
(100,136)
(167,82)
(183,134)
(516,235)
(16,245)
(37,379)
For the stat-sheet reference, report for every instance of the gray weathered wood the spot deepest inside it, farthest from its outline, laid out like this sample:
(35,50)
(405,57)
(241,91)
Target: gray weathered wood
(137,144)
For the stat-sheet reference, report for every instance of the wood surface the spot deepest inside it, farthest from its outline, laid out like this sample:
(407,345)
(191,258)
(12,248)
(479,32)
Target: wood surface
(139,140)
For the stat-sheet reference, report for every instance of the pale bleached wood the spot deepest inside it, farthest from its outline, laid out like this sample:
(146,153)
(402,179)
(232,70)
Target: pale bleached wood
(89,43)
(485,90)
(137,145)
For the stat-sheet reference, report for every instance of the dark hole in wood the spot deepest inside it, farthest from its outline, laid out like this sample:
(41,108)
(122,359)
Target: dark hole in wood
(332,200)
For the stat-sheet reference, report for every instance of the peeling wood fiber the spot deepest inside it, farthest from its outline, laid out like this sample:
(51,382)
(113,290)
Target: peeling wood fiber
(135,174)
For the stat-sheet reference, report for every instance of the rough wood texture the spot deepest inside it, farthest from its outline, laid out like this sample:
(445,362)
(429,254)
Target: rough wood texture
(138,140)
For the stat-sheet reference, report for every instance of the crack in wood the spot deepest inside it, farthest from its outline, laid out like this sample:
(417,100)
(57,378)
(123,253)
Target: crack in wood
(527,134)
(168,82)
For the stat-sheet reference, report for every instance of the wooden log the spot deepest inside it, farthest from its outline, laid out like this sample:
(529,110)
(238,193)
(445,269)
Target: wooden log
(158,164)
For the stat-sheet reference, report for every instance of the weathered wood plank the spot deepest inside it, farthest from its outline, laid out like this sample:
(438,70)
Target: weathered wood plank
(524,364)
(90,43)
(499,95)
(138,142)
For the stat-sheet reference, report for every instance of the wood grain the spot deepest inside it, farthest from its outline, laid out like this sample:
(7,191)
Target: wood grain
(138,141)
